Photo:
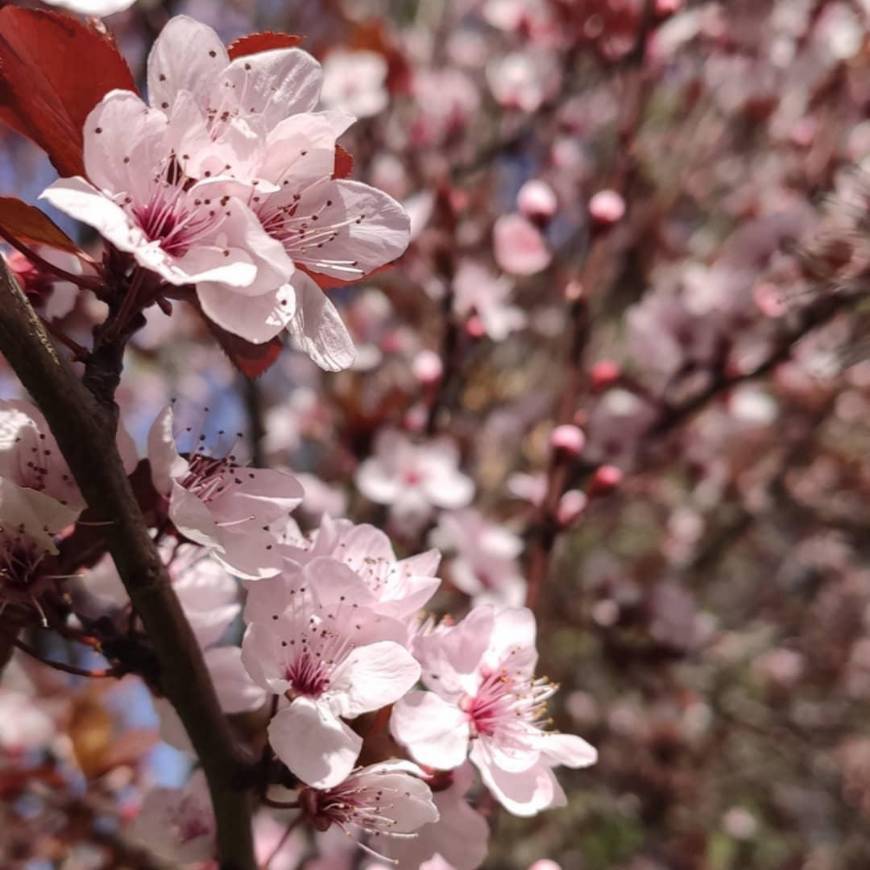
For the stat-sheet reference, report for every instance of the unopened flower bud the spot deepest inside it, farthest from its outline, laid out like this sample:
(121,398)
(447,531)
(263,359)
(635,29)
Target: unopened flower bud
(604,374)
(607,207)
(427,367)
(474,327)
(569,439)
(606,479)
(537,201)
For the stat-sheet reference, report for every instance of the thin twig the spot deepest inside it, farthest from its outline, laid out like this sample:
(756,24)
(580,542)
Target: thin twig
(63,666)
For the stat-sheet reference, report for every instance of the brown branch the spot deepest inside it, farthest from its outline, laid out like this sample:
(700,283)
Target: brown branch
(84,429)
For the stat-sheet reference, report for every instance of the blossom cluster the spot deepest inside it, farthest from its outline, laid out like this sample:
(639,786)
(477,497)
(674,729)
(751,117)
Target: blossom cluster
(332,633)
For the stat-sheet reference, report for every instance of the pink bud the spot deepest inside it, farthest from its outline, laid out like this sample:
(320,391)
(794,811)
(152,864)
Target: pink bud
(605,479)
(568,438)
(668,7)
(604,373)
(536,200)
(607,207)
(571,505)
(573,291)
(427,367)
(416,417)
(474,327)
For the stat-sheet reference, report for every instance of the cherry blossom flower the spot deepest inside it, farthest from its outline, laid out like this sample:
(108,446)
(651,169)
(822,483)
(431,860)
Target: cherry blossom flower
(485,562)
(414,478)
(178,825)
(354,82)
(460,835)
(140,199)
(239,513)
(253,93)
(333,659)
(332,227)
(477,291)
(484,697)
(518,246)
(365,557)
(388,801)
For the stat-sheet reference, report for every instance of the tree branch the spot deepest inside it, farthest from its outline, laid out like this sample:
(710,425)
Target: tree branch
(84,429)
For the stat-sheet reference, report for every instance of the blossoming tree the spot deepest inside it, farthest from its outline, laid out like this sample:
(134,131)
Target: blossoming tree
(360,387)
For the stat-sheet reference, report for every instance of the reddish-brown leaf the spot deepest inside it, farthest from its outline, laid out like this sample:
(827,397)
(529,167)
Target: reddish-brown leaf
(250,359)
(343,163)
(53,70)
(256,42)
(26,223)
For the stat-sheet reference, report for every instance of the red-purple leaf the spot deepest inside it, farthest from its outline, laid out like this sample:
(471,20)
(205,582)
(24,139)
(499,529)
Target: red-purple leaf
(26,223)
(53,70)
(343,163)
(254,43)
(250,359)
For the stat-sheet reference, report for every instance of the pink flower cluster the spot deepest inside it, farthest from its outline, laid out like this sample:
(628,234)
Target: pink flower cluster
(334,639)
(224,181)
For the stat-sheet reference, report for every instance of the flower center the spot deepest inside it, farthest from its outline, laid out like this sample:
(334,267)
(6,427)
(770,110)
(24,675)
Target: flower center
(309,675)
(175,221)
(506,707)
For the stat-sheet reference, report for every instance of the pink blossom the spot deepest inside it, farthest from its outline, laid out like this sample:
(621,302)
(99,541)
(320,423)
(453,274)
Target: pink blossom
(477,291)
(363,556)
(332,658)
(484,698)
(414,478)
(388,801)
(239,513)
(485,562)
(354,82)
(178,825)
(459,836)
(519,247)
(141,201)
(523,80)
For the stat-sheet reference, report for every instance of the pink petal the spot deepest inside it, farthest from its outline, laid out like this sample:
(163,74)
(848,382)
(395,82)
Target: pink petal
(519,246)
(317,747)
(435,732)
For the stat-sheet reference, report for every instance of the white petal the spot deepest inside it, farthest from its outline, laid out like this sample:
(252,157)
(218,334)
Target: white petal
(317,328)
(357,229)
(123,141)
(317,747)
(272,84)
(236,691)
(567,749)
(166,462)
(523,793)
(81,200)
(185,56)
(435,732)
(192,518)
(373,676)
(255,318)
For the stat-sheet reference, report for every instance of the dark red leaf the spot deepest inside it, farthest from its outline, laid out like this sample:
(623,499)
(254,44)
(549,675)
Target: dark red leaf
(343,163)
(257,42)
(26,223)
(250,359)
(53,70)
